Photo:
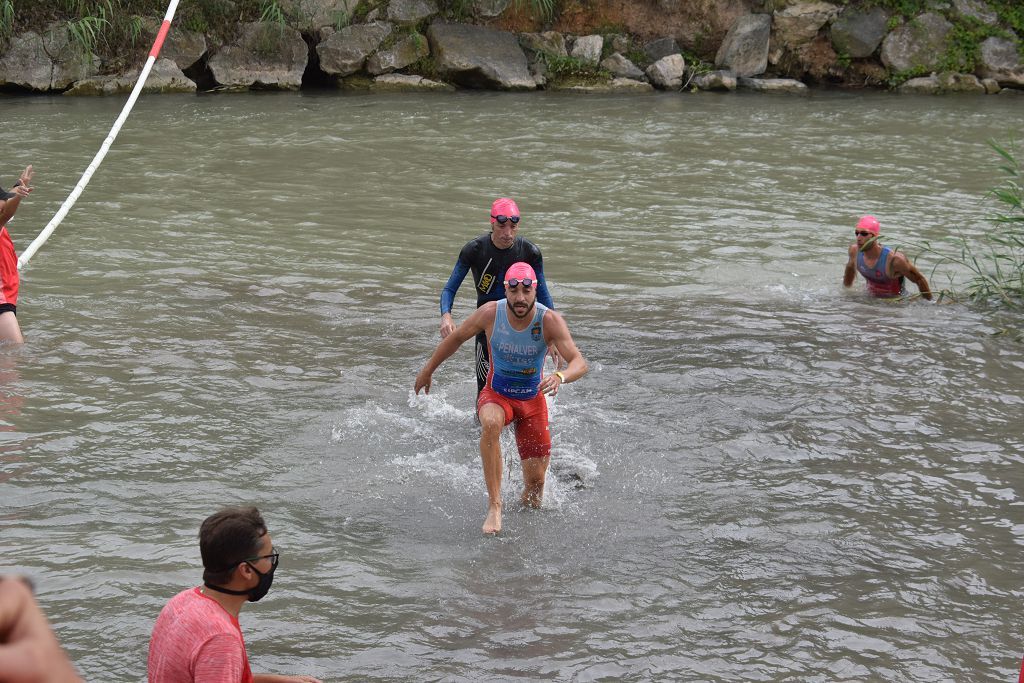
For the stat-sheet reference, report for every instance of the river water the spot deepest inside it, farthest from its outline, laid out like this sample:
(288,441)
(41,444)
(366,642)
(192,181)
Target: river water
(764,476)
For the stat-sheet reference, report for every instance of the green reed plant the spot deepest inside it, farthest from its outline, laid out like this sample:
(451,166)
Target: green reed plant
(340,19)
(542,9)
(272,13)
(6,18)
(84,33)
(996,266)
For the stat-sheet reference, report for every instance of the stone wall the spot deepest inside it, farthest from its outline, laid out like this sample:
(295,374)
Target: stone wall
(677,45)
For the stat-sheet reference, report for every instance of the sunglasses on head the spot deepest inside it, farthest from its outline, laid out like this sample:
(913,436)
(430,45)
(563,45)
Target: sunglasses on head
(863,233)
(502,219)
(515,282)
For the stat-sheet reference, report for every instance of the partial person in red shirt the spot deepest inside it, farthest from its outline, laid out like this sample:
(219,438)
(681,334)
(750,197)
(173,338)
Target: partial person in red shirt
(9,201)
(197,637)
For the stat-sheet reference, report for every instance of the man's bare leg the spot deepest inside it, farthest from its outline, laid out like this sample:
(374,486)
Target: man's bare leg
(10,330)
(492,421)
(534,472)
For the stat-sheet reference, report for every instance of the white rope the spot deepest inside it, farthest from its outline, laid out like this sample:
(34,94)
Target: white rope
(105,147)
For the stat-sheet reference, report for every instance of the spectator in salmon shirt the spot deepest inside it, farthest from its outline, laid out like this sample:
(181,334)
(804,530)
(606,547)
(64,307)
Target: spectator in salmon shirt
(197,637)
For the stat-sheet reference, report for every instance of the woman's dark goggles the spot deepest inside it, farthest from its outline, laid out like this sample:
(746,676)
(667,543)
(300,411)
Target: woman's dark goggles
(502,219)
(863,233)
(514,282)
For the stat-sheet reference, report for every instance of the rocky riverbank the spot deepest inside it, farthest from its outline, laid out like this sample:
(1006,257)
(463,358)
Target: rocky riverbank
(961,46)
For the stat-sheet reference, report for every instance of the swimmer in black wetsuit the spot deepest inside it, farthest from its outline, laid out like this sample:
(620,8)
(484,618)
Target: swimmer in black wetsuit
(488,256)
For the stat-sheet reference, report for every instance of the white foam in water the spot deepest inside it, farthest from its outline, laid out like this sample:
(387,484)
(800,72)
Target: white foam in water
(377,423)
(436,405)
(438,464)
(439,441)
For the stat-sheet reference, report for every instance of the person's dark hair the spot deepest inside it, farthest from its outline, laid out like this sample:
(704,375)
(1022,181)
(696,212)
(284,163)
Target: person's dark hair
(226,538)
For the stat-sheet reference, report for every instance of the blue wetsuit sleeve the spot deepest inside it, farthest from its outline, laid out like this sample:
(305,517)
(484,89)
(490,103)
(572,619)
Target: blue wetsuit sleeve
(543,295)
(452,286)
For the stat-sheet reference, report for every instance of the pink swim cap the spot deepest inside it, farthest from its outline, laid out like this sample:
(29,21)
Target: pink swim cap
(503,207)
(519,270)
(869,223)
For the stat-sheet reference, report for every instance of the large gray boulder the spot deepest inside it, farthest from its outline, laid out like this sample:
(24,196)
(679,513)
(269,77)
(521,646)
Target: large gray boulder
(943,84)
(662,47)
(312,16)
(917,44)
(799,24)
(265,55)
(772,85)
(164,77)
(345,52)
(629,85)
(858,33)
(722,80)
(407,83)
(398,56)
(489,8)
(616,85)
(551,43)
(1000,61)
(45,62)
(667,73)
(409,12)
(620,66)
(587,49)
(977,10)
(183,47)
(479,57)
(745,48)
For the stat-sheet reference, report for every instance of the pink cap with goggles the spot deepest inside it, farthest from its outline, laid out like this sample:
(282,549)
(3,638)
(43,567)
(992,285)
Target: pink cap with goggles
(869,223)
(520,271)
(506,208)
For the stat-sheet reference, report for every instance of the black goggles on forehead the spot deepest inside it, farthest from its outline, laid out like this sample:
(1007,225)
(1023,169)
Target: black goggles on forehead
(502,219)
(515,282)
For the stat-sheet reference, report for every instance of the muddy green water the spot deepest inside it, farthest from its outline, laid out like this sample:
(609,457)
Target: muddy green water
(783,480)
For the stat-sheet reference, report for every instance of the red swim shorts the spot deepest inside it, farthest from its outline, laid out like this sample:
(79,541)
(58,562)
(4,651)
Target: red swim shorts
(533,438)
(8,270)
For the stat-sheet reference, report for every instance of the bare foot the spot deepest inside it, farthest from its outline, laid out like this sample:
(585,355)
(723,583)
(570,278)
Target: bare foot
(492,524)
(533,496)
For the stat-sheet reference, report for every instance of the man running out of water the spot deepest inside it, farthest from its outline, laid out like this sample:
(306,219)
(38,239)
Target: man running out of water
(518,330)
(488,256)
(884,268)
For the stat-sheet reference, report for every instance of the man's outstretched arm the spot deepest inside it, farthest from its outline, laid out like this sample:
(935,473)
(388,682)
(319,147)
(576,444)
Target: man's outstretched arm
(470,327)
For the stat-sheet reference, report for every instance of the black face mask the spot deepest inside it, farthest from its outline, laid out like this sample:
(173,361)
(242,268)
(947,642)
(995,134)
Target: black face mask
(255,593)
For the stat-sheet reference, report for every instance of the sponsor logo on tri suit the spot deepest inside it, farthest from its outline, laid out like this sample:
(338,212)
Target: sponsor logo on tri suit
(485,283)
(535,332)
(526,351)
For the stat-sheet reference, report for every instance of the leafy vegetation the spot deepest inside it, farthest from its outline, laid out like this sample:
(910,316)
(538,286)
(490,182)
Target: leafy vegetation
(997,266)
(84,33)
(963,52)
(543,9)
(271,12)
(573,71)
(6,19)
